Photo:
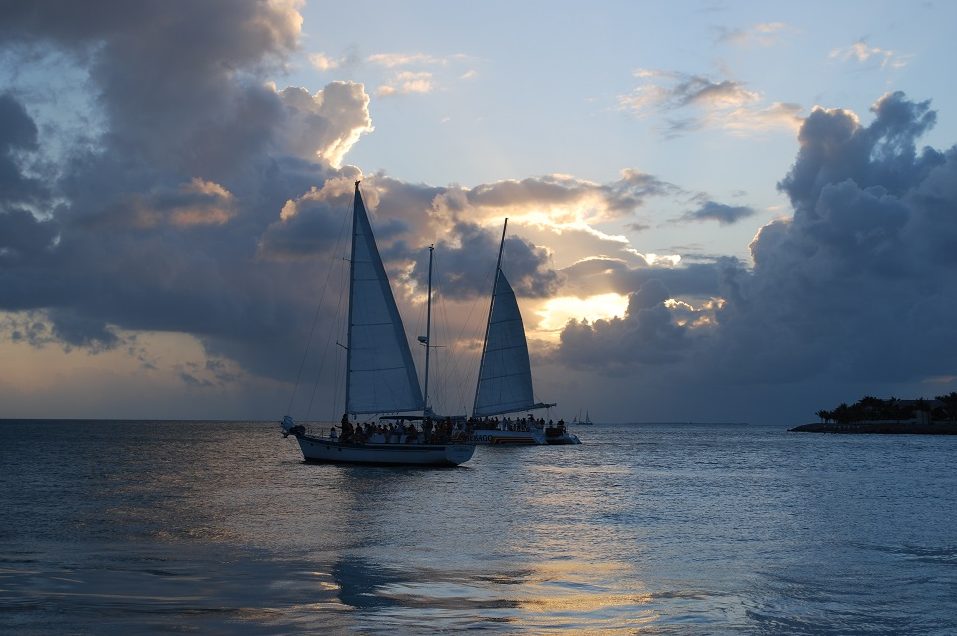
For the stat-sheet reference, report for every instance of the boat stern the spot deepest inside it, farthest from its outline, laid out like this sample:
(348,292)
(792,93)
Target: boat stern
(459,453)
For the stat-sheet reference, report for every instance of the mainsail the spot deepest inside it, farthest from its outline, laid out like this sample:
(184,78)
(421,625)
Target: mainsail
(505,375)
(381,375)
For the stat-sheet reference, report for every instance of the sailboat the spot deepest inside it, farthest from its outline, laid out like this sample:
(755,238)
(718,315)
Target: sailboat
(505,374)
(380,376)
(585,422)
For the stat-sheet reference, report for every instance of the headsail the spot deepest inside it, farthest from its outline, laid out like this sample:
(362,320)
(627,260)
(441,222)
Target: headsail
(381,374)
(505,376)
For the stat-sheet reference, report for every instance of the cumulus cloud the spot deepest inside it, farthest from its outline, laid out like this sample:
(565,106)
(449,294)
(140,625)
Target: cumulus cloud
(646,336)
(156,220)
(859,285)
(326,125)
(323,62)
(309,224)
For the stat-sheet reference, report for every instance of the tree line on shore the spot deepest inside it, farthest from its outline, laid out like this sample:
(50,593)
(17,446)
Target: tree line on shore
(942,408)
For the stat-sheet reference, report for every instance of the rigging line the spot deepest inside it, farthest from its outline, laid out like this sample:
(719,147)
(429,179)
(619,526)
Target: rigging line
(441,333)
(315,319)
(440,326)
(338,314)
(477,326)
(451,363)
(423,324)
(325,353)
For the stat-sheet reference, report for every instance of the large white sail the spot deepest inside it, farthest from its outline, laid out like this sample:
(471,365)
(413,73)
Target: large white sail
(505,375)
(381,374)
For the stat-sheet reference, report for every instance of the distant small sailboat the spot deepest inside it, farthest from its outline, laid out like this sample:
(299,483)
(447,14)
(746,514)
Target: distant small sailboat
(380,375)
(505,374)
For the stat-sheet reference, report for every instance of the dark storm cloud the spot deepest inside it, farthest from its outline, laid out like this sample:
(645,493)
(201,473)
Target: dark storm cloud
(162,216)
(17,129)
(861,284)
(849,281)
(168,76)
(468,264)
(26,241)
(646,335)
(601,275)
(23,237)
(310,226)
(75,328)
(18,133)
(836,148)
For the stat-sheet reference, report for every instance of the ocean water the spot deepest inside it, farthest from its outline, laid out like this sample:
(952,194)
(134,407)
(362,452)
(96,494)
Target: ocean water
(219,528)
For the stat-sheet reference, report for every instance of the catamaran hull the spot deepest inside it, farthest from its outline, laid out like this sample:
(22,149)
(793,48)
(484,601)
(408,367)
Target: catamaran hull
(506,438)
(325,451)
(564,439)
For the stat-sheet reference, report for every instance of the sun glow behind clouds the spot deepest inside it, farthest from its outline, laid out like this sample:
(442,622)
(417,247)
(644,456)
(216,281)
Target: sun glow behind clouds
(659,259)
(556,312)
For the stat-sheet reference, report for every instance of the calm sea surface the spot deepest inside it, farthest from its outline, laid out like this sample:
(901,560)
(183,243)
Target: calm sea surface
(219,528)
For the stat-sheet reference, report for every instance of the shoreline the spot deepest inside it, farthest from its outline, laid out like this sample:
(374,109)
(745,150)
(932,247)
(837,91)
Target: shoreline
(880,428)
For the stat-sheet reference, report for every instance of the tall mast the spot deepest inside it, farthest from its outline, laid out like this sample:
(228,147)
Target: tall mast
(501,247)
(488,324)
(356,202)
(428,337)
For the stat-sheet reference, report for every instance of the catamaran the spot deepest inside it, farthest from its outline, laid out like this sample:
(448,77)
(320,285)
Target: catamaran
(380,376)
(505,374)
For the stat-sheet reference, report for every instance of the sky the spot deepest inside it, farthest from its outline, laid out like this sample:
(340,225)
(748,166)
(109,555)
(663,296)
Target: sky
(717,211)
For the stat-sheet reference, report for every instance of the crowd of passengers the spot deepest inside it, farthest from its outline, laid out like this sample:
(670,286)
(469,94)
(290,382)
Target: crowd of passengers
(509,424)
(439,432)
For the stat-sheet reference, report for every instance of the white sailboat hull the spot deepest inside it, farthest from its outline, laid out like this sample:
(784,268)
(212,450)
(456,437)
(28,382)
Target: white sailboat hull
(333,451)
